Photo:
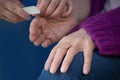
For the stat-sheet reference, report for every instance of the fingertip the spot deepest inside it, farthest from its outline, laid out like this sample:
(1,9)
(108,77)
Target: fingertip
(52,70)
(85,71)
(36,44)
(63,69)
(46,67)
(46,43)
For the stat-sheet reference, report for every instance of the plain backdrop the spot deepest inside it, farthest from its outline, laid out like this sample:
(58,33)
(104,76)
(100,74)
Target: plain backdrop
(19,58)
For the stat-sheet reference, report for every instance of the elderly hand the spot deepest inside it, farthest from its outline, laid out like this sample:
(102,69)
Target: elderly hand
(11,10)
(46,31)
(67,48)
(55,8)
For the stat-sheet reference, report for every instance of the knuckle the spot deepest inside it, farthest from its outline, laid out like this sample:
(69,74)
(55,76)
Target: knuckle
(70,55)
(48,12)
(16,10)
(54,15)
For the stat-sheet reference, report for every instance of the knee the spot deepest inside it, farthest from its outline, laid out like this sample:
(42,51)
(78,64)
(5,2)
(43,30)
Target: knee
(46,75)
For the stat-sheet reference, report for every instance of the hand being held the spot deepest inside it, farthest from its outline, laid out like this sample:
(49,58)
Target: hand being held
(67,48)
(47,31)
(11,10)
(55,8)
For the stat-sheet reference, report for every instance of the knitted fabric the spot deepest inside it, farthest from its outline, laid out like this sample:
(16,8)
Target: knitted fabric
(104,29)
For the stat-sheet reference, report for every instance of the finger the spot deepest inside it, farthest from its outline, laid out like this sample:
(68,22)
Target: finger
(35,29)
(42,5)
(18,2)
(6,19)
(50,59)
(88,53)
(68,59)
(60,53)
(59,9)
(51,8)
(35,26)
(14,8)
(39,40)
(50,39)
(33,38)
(46,43)
(69,9)
(11,17)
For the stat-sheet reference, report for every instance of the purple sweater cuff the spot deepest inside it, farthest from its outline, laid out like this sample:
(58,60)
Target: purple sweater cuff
(104,29)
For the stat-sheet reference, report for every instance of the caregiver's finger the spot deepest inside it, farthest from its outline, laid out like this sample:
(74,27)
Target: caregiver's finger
(69,9)
(88,53)
(11,16)
(18,2)
(52,6)
(59,9)
(59,55)
(6,19)
(68,59)
(14,8)
(42,5)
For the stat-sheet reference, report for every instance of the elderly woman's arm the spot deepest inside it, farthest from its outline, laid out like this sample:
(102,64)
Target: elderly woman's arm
(104,29)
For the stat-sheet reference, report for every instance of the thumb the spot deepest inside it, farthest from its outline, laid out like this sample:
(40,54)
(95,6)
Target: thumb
(69,7)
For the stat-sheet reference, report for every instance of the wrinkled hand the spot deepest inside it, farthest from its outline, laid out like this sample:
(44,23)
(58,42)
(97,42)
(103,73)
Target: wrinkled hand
(55,8)
(67,48)
(47,31)
(11,10)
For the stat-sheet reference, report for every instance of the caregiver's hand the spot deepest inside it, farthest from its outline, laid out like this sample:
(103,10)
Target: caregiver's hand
(67,48)
(11,10)
(55,8)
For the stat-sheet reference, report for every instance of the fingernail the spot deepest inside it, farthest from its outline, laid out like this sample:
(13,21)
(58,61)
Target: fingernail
(41,14)
(52,70)
(62,69)
(44,45)
(85,71)
(28,18)
(46,67)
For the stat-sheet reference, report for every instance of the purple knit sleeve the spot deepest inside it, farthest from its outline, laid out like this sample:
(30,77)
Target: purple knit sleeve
(104,29)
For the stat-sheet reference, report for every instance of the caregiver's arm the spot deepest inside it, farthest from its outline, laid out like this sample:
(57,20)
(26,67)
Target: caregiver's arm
(11,10)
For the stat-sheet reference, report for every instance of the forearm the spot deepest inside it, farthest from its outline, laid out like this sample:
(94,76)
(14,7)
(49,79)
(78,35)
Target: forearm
(105,31)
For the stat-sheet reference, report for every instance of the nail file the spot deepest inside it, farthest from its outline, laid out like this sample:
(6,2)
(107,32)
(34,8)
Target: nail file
(31,10)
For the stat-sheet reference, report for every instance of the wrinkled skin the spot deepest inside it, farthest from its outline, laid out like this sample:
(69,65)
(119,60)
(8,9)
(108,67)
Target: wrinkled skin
(11,11)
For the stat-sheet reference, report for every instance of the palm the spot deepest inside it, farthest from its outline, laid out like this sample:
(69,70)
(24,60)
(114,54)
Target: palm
(52,29)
